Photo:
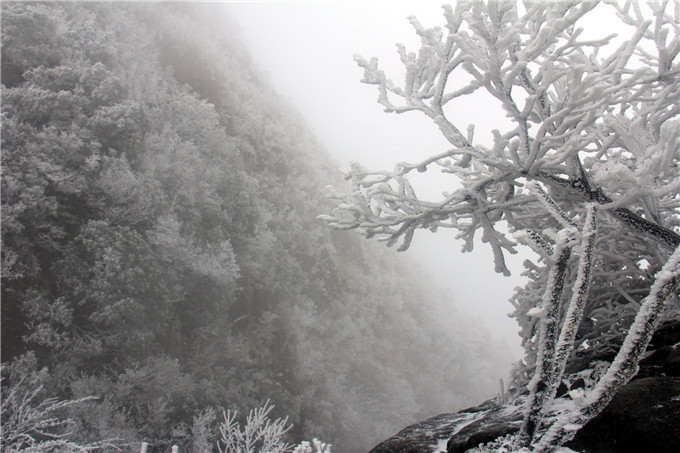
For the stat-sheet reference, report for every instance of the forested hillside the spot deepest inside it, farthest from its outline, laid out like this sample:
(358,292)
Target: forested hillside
(161,252)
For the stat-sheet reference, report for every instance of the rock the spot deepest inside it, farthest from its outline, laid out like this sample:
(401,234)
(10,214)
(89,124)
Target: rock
(664,356)
(463,441)
(421,437)
(644,416)
(425,436)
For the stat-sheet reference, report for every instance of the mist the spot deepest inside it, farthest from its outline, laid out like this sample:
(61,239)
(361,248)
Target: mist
(306,49)
(164,167)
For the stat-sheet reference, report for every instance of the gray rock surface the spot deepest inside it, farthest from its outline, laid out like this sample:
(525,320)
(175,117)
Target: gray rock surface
(644,416)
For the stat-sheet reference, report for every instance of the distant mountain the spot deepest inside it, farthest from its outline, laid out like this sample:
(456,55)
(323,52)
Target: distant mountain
(161,252)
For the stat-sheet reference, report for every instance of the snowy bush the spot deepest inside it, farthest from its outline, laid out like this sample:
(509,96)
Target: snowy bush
(315,447)
(586,174)
(35,424)
(260,434)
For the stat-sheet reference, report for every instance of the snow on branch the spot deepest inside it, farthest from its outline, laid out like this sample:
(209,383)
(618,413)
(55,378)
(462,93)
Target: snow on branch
(259,434)
(547,336)
(591,154)
(554,350)
(31,422)
(565,132)
(625,365)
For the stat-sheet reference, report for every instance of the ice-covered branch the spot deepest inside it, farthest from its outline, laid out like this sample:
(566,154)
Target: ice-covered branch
(485,46)
(259,434)
(579,295)
(625,365)
(551,372)
(593,132)
(547,335)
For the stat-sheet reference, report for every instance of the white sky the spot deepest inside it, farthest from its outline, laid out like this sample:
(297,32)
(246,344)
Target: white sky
(307,48)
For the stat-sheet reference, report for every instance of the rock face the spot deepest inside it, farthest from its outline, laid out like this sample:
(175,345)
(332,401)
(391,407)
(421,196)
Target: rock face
(643,416)
(433,433)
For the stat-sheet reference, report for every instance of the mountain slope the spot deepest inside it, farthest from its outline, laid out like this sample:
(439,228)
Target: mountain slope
(160,248)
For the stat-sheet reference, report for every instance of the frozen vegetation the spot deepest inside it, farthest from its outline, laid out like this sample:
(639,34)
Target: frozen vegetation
(162,261)
(587,175)
(166,278)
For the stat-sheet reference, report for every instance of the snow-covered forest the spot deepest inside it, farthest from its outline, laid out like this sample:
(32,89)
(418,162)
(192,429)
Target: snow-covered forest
(162,259)
(180,257)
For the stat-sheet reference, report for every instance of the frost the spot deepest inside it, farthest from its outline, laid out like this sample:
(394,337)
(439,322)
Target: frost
(577,395)
(259,434)
(570,427)
(441,446)
(535,312)
(586,175)
(315,447)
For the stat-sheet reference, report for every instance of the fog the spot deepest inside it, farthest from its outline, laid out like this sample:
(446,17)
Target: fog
(163,256)
(307,49)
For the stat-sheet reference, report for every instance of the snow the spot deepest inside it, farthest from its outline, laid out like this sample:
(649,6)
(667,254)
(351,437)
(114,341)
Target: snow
(441,446)
(470,418)
(559,127)
(535,312)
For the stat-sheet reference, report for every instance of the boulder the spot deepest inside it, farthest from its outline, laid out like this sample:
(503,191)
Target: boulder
(643,416)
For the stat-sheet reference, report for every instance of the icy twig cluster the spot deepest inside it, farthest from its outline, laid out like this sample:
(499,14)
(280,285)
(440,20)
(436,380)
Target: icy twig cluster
(32,423)
(260,434)
(590,166)
(579,119)
(315,447)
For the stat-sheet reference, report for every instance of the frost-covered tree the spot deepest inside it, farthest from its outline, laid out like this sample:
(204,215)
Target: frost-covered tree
(32,423)
(261,434)
(160,250)
(587,174)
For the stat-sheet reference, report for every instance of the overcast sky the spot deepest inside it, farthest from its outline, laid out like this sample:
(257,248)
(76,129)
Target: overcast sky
(306,50)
